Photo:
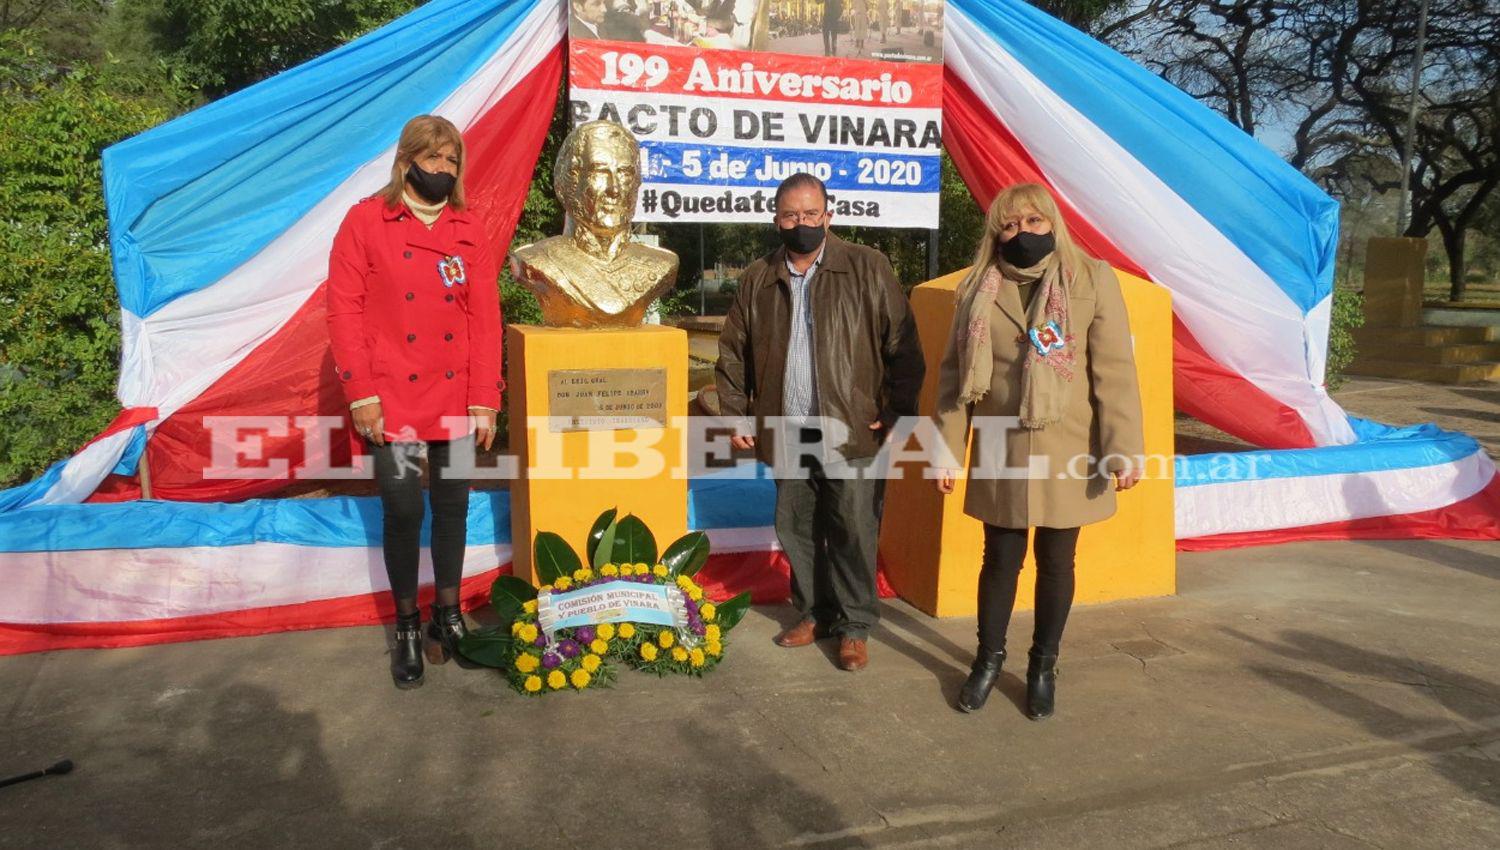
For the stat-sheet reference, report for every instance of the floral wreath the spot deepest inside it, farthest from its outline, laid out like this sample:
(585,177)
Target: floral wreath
(543,652)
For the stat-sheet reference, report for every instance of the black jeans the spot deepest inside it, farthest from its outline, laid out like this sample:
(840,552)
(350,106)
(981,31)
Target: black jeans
(398,472)
(1004,550)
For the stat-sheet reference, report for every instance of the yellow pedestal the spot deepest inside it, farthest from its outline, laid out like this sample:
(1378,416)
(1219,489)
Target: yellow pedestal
(931,549)
(568,478)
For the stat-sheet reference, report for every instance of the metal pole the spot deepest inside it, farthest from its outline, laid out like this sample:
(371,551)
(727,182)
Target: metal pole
(702,259)
(1403,214)
(932,254)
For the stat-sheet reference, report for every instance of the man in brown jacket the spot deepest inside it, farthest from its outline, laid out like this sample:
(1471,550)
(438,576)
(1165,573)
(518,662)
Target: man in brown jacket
(821,350)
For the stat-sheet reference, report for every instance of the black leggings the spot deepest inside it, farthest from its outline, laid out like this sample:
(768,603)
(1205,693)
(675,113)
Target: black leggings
(1004,550)
(399,475)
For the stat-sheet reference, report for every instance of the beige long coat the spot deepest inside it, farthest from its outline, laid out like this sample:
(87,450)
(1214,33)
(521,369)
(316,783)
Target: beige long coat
(1101,424)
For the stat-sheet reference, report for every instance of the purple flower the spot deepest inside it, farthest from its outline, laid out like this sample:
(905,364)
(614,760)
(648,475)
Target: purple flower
(550,660)
(541,640)
(584,634)
(568,648)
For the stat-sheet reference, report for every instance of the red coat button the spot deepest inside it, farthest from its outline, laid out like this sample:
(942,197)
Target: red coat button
(411,377)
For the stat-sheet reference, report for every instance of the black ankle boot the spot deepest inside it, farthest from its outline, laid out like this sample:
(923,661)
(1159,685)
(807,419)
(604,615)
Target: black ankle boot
(1041,685)
(406,657)
(446,629)
(982,677)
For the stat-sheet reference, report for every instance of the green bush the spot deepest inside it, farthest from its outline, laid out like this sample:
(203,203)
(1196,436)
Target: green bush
(1348,314)
(59,314)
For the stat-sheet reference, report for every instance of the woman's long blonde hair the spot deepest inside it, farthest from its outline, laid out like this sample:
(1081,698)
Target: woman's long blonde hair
(421,134)
(1012,201)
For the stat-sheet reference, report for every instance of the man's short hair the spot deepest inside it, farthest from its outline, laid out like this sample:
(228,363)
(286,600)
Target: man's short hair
(801,180)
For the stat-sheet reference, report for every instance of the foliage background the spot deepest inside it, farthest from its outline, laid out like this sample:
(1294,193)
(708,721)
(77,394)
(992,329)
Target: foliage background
(79,75)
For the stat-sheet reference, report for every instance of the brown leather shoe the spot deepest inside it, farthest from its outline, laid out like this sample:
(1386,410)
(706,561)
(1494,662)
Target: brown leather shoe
(802,634)
(853,654)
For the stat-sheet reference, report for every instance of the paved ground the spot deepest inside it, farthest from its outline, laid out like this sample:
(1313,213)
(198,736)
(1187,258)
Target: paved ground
(1473,409)
(1309,695)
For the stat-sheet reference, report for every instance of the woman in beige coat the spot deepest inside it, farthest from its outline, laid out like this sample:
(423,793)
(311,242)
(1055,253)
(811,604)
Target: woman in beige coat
(1039,366)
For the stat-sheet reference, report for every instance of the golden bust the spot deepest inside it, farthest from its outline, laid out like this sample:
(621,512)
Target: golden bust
(594,276)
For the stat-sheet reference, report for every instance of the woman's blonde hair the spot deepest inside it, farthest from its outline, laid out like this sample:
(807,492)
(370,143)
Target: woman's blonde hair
(421,134)
(1011,202)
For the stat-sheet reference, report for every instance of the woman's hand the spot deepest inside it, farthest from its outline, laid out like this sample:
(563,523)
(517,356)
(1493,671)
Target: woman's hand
(484,426)
(946,480)
(1125,479)
(369,422)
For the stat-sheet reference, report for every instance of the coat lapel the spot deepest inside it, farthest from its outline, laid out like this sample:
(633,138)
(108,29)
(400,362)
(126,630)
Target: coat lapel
(1009,299)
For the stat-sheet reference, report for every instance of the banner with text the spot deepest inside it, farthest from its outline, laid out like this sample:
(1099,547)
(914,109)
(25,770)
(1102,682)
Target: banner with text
(720,127)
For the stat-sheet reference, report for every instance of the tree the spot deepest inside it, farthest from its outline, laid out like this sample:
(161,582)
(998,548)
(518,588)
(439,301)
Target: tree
(230,44)
(59,315)
(1336,73)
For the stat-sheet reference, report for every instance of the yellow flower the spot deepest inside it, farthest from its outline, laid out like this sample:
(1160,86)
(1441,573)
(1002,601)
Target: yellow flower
(528,633)
(609,571)
(665,638)
(529,606)
(581,679)
(684,582)
(648,651)
(533,684)
(708,611)
(557,680)
(583,574)
(712,633)
(526,662)
(627,631)
(515,627)
(714,648)
(600,645)
(591,662)
(679,654)
(695,594)
(563,583)
(546,588)
(697,657)
(606,631)
(660,570)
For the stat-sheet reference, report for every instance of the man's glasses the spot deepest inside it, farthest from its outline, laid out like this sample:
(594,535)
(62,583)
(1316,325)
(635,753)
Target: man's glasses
(788,219)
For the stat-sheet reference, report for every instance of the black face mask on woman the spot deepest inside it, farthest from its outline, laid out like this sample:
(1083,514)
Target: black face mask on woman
(802,239)
(1025,250)
(432,187)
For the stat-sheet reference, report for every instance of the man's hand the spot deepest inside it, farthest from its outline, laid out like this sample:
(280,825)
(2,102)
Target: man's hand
(946,480)
(369,422)
(742,443)
(1127,479)
(484,426)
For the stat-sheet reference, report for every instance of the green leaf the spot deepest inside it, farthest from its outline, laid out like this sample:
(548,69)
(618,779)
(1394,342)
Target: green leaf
(554,557)
(602,538)
(688,554)
(730,613)
(507,595)
(488,646)
(633,542)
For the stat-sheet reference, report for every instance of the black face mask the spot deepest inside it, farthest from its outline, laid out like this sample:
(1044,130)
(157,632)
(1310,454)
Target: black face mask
(802,239)
(433,188)
(1025,250)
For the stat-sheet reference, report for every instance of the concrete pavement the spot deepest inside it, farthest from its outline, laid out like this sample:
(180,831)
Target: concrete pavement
(1307,695)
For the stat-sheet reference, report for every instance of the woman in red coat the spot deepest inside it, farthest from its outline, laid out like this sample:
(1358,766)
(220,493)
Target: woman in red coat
(414,321)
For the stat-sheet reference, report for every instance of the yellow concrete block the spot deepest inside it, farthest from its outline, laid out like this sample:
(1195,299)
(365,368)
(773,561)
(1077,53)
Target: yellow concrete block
(568,478)
(1395,272)
(931,549)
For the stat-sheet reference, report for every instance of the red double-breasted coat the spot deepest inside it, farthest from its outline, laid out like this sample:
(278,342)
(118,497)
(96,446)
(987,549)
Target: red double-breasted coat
(414,316)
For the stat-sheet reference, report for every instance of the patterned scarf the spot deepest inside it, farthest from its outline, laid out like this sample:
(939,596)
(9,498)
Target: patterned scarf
(1048,341)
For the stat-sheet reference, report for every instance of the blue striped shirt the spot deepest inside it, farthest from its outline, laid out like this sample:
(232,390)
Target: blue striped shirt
(799,389)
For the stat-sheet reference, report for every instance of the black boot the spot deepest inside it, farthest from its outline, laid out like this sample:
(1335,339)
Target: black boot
(446,629)
(406,658)
(982,677)
(1041,685)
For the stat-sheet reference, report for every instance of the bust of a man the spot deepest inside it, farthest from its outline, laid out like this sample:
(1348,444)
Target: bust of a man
(594,276)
